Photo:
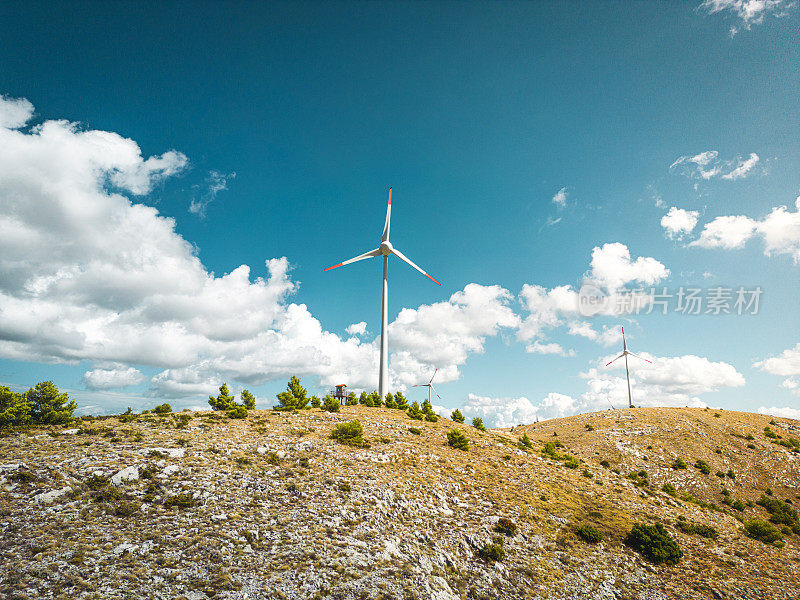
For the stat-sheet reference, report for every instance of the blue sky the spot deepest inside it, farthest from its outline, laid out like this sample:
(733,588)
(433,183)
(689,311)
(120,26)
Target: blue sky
(528,144)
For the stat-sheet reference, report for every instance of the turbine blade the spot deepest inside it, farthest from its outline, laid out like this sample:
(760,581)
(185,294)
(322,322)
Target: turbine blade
(388,217)
(620,356)
(641,357)
(434,375)
(435,392)
(405,259)
(369,254)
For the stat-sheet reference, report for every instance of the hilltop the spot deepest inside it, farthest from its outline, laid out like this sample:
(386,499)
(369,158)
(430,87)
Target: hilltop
(196,505)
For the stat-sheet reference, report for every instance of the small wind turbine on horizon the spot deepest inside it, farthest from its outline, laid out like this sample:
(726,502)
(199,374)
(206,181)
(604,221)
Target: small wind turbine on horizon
(385,249)
(430,387)
(625,353)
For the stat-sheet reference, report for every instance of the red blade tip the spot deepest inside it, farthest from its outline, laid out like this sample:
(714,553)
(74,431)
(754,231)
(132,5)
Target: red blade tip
(432,279)
(390,195)
(334,266)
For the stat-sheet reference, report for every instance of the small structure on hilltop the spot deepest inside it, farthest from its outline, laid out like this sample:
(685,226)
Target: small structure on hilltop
(340,393)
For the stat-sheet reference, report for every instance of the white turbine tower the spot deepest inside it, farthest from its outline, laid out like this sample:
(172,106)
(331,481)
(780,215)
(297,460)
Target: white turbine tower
(625,353)
(430,387)
(385,249)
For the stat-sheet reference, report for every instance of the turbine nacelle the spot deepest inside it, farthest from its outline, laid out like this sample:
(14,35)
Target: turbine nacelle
(386,248)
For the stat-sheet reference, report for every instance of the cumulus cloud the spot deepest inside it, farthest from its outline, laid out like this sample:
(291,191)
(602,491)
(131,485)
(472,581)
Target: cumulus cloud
(14,112)
(509,412)
(707,165)
(357,328)
(786,364)
(785,412)
(726,232)
(87,273)
(747,12)
(679,222)
(111,379)
(445,333)
(612,266)
(560,198)
(779,230)
(607,337)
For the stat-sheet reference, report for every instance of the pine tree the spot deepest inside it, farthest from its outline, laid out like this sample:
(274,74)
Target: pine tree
(415,413)
(457,416)
(315,402)
(400,401)
(351,399)
(224,401)
(375,399)
(15,410)
(248,400)
(389,401)
(48,405)
(294,398)
(331,404)
(363,398)
(477,423)
(428,411)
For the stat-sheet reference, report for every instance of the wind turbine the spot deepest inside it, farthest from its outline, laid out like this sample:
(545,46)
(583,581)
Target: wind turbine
(625,353)
(430,387)
(385,249)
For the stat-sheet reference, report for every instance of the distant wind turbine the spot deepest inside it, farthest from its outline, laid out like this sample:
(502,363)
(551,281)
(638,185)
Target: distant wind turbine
(385,249)
(430,387)
(625,353)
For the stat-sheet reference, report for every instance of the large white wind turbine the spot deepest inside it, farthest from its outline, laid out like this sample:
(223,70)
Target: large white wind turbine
(430,387)
(385,249)
(625,353)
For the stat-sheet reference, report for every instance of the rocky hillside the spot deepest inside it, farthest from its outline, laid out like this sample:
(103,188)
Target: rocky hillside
(196,505)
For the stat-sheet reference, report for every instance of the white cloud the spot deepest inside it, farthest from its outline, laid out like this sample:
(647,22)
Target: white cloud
(14,112)
(357,328)
(607,337)
(214,184)
(509,412)
(726,232)
(779,230)
(110,379)
(612,266)
(785,412)
(87,273)
(748,12)
(668,381)
(678,222)
(743,168)
(786,364)
(560,198)
(548,348)
(707,165)
(445,333)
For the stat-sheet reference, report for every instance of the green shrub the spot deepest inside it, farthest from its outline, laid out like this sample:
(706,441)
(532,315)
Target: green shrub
(415,431)
(550,449)
(654,543)
(678,464)
(738,505)
(762,531)
(477,423)
(457,416)
(162,409)
(702,466)
(179,501)
(400,401)
(427,410)
(350,434)
(22,476)
(492,552)
(248,400)
(506,527)
(237,412)
(589,534)
(351,399)
(706,531)
(224,401)
(125,508)
(605,463)
(525,441)
(770,434)
(344,487)
(331,404)
(587,473)
(571,462)
(96,482)
(589,427)
(458,440)
(48,405)
(731,474)
(668,488)
(315,402)
(780,512)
